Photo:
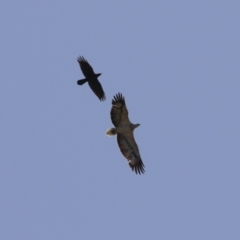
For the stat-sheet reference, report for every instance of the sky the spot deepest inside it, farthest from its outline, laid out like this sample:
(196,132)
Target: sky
(177,65)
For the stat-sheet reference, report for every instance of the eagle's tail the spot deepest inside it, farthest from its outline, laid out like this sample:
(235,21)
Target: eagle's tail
(82,81)
(110,132)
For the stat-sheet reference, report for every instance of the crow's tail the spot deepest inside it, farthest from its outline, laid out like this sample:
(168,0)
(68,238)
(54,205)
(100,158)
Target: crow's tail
(82,81)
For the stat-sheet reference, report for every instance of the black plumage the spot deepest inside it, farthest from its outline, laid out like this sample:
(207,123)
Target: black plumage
(91,78)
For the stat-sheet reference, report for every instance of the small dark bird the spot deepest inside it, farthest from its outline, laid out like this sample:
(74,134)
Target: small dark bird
(91,78)
(124,130)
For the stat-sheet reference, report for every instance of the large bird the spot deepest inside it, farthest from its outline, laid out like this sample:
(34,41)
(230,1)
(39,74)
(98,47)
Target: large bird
(91,78)
(124,130)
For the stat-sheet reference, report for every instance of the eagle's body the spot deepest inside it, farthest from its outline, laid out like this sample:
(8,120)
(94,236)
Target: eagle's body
(91,78)
(124,130)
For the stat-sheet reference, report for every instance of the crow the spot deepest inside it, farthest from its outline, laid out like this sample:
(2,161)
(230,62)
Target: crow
(91,78)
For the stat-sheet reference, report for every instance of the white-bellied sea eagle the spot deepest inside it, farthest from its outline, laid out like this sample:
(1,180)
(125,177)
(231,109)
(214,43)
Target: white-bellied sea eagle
(124,130)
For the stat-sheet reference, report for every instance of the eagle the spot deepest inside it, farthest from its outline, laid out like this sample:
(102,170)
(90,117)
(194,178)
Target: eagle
(91,78)
(124,130)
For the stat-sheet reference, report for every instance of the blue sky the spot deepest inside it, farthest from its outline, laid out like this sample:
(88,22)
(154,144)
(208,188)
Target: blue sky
(176,63)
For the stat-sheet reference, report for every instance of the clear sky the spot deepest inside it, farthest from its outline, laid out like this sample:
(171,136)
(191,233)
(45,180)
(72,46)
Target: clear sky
(177,63)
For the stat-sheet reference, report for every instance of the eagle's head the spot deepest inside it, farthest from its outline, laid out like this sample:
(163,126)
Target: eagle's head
(133,126)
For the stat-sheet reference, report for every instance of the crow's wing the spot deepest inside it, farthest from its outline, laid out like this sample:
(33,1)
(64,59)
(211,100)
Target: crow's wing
(96,87)
(85,67)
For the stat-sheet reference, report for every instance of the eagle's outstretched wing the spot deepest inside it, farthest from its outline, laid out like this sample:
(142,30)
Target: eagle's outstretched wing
(119,112)
(85,67)
(130,151)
